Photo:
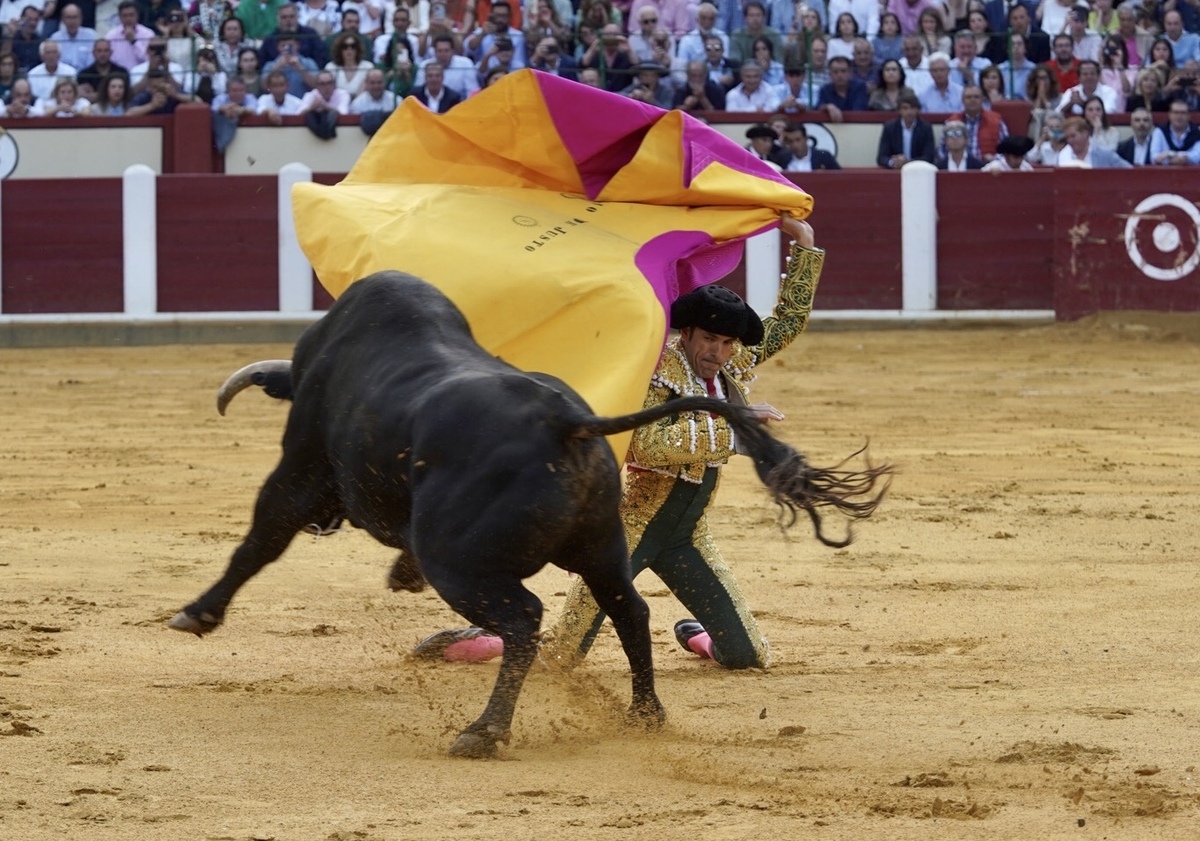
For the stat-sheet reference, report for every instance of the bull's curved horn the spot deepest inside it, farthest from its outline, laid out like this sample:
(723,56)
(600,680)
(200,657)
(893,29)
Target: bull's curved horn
(244,378)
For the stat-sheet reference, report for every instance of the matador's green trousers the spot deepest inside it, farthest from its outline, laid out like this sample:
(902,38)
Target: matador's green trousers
(667,531)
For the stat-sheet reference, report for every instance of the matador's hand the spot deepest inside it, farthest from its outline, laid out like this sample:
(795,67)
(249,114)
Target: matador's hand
(797,229)
(765,411)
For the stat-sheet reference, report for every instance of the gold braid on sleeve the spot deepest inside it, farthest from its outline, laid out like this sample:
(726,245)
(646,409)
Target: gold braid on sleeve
(790,316)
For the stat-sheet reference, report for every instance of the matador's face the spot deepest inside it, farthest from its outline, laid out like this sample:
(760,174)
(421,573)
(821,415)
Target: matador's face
(706,352)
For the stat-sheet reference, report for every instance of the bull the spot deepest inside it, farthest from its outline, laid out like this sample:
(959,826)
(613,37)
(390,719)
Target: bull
(478,472)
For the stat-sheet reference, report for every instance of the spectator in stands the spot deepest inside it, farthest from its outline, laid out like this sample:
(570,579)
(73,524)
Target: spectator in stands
(797,93)
(348,67)
(720,69)
(73,38)
(64,100)
(751,95)
(691,46)
(915,65)
(230,45)
(1080,150)
(866,14)
(699,92)
(278,102)
(889,87)
(642,38)
(1085,44)
(1010,155)
(906,138)
(306,42)
(1041,92)
(102,66)
(396,53)
(1162,60)
(1089,86)
(129,39)
(1052,15)
(1182,85)
(153,13)
(24,40)
(801,157)
(1170,141)
(1051,141)
(325,99)
(943,96)
(371,16)
(250,72)
(182,42)
(547,22)
(796,46)
(741,42)
(844,34)
(375,96)
(842,93)
(160,96)
(1016,69)
(612,57)
(991,80)
(351,21)
(228,111)
(1064,65)
(1137,41)
(20,100)
(1136,149)
(323,17)
(481,42)
(764,146)
(863,65)
(44,76)
(765,58)
(458,72)
(985,129)
(889,43)
(434,94)
(1020,22)
(590,76)
(8,74)
(156,60)
(259,19)
(501,54)
(955,157)
(548,58)
(207,81)
(965,67)
(112,97)
(1102,19)
(1184,45)
(650,86)
(675,16)
(818,63)
(1104,135)
(932,32)
(205,18)
(907,13)
(299,70)
(990,47)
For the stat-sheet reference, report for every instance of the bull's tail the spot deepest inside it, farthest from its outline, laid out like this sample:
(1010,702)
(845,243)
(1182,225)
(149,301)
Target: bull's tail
(273,375)
(793,482)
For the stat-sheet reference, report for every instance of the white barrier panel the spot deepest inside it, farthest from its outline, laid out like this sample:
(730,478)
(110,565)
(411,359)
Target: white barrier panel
(918,236)
(139,221)
(295,272)
(762,271)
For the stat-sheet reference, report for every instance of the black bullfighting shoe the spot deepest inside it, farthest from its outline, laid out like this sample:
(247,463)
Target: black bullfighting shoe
(685,629)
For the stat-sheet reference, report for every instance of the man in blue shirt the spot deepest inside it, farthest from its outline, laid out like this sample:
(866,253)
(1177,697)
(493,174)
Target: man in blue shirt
(842,93)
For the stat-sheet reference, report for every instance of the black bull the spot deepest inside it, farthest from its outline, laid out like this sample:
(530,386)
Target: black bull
(480,472)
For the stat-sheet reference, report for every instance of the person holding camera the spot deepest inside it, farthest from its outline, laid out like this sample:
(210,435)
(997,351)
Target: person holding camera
(160,95)
(480,44)
(548,58)
(1115,70)
(182,43)
(612,56)
(158,63)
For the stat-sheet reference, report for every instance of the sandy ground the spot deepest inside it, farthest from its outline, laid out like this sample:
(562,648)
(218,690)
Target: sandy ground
(1008,651)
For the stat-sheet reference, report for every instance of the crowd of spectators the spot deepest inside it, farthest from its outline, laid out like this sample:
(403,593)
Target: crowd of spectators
(1075,63)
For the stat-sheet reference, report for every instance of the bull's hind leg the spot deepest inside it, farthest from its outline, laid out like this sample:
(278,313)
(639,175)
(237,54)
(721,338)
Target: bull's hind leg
(502,606)
(290,499)
(611,583)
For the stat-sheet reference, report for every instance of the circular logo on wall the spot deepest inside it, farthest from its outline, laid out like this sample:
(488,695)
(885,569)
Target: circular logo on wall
(820,137)
(9,154)
(1162,236)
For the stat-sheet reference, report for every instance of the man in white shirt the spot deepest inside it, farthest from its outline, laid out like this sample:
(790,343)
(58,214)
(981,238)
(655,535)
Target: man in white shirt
(915,65)
(277,102)
(43,77)
(691,46)
(1089,86)
(459,74)
(752,94)
(375,95)
(1080,150)
(326,96)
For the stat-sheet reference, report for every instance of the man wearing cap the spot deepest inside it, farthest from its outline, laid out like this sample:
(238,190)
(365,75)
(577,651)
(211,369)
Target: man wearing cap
(673,471)
(1010,155)
(648,85)
(764,145)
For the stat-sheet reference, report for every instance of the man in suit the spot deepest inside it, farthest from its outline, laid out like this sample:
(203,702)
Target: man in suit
(803,158)
(548,58)
(1136,149)
(906,138)
(434,94)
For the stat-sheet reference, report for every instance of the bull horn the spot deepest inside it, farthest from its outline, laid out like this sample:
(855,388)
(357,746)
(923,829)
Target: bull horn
(245,377)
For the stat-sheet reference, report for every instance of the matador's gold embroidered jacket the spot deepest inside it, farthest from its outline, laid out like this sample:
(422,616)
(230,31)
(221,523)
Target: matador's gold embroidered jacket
(686,444)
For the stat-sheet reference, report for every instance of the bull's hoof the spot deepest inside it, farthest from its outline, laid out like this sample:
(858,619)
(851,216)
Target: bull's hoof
(405,575)
(472,744)
(198,625)
(650,715)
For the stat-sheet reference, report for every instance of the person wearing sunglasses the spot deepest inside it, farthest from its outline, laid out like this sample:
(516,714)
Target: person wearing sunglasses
(957,159)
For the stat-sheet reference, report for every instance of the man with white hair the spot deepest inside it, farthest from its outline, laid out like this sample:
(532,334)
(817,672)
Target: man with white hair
(752,94)
(672,15)
(1081,151)
(691,45)
(943,96)
(43,77)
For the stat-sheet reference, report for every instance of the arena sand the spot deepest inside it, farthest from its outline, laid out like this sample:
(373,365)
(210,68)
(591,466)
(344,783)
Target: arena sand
(1009,650)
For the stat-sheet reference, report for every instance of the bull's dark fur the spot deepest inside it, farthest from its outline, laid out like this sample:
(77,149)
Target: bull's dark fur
(480,472)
